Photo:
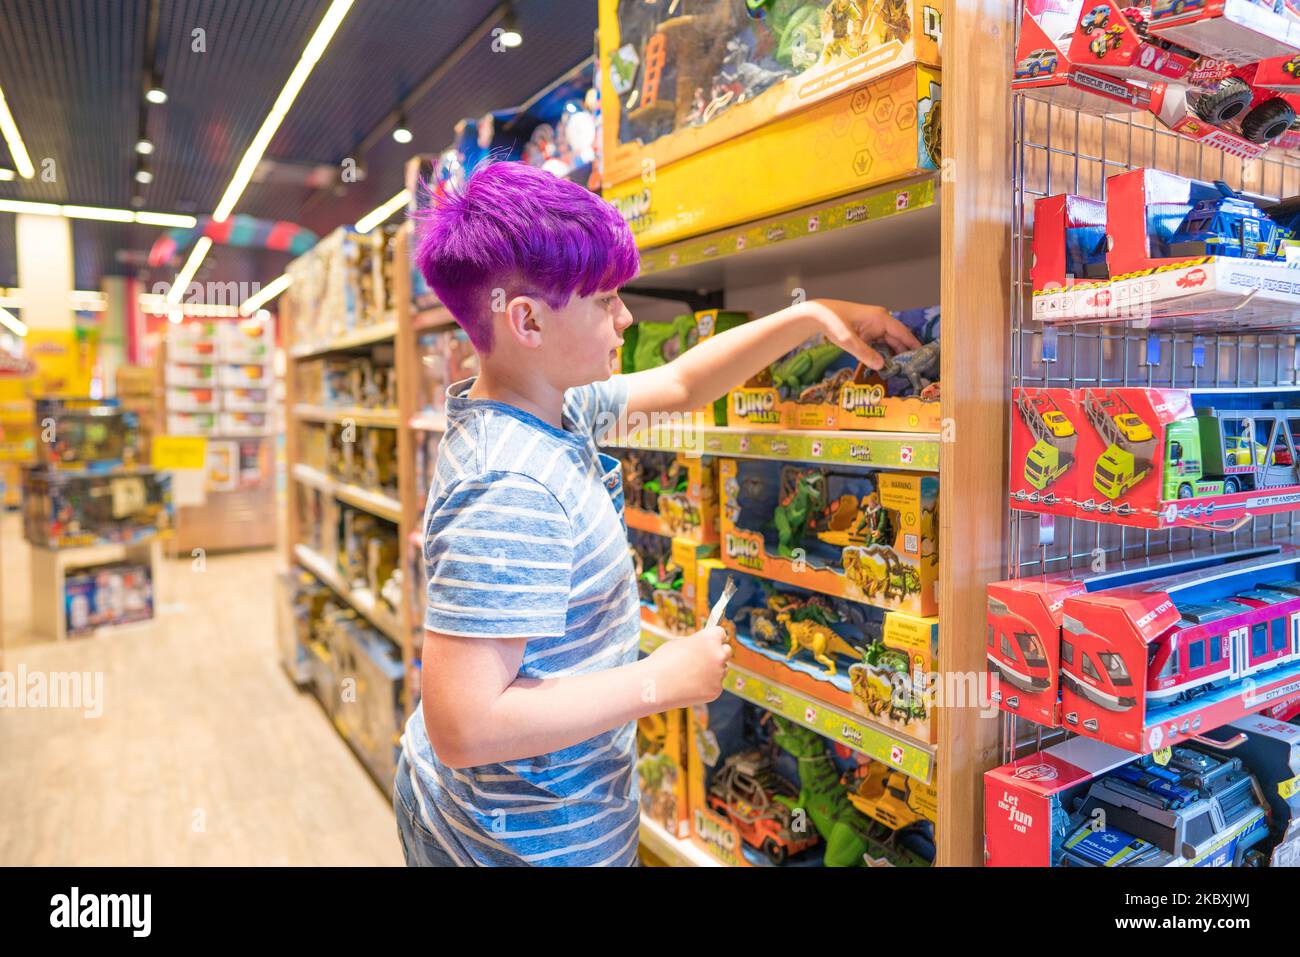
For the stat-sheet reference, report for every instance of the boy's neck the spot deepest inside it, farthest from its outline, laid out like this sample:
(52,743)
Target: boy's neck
(534,397)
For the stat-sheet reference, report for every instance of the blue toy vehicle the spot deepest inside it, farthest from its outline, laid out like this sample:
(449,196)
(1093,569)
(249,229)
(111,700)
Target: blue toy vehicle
(1173,7)
(1095,19)
(1202,810)
(1228,226)
(1037,62)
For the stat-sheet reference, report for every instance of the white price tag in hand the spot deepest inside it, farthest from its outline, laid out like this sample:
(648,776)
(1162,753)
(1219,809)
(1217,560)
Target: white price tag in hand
(720,606)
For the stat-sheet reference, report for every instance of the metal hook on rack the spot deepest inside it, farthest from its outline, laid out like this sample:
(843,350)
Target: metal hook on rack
(1233,742)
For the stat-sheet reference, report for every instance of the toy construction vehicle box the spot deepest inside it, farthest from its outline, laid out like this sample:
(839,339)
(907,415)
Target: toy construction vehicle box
(649,344)
(880,133)
(1044,450)
(1158,458)
(67,509)
(671,493)
(820,386)
(1116,40)
(1155,663)
(667,571)
(866,536)
(661,770)
(1047,69)
(678,78)
(752,772)
(1234,31)
(851,656)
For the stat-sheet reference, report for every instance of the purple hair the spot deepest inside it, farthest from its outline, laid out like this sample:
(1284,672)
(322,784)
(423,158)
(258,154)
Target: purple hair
(520,228)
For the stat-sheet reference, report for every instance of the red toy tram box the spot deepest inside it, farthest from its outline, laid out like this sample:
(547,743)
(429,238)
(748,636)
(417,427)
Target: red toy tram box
(1044,450)
(1023,799)
(1106,40)
(1024,644)
(1149,665)
(1235,31)
(1045,70)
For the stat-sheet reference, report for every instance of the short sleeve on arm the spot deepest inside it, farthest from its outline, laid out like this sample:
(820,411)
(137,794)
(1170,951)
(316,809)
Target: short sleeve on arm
(499,552)
(599,405)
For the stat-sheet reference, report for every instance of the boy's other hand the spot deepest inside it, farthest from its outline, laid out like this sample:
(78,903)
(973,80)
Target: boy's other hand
(853,326)
(690,669)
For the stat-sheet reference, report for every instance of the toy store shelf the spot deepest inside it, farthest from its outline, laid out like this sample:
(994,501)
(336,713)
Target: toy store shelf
(435,317)
(834,235)
(360,599)
(671,850)
(853,731)
(381,418)
(429,422)
(895,450)
(361,337)
(376,503)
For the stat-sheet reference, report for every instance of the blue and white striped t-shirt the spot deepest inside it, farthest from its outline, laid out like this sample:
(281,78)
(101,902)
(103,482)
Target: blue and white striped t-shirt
(524,537)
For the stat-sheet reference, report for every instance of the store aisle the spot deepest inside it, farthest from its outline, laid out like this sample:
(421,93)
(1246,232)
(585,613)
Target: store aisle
(204,752)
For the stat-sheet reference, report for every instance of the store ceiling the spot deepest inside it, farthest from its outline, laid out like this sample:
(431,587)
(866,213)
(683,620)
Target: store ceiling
(72,72)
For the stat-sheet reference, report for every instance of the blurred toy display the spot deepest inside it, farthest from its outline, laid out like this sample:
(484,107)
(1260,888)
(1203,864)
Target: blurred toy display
(344,284)
(671,494)
(86,435)
(107,595)
(367,552)
(661,770)
(64,509)
(368,382)
(446,357)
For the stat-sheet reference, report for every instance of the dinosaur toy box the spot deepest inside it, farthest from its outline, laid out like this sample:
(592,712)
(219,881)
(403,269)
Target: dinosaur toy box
(671,494)
(765,791)
(661,770)
(820,386)
(650,344)
(882,132)
(866,536)
(666,573)
(851,656)
(678,78)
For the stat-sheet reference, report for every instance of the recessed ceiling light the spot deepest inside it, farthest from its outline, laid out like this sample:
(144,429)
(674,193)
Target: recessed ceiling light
(510,34)
(153,91)
(402,132)
(144,175)
(143,146)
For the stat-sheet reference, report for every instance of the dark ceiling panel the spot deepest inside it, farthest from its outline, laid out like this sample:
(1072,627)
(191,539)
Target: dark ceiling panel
(72,73)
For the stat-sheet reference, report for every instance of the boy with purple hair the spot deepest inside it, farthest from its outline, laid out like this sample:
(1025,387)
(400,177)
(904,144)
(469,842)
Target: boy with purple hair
(523,749)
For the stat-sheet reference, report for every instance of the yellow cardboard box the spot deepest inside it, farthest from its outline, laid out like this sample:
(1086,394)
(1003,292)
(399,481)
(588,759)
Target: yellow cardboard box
(683,77)
(878,133)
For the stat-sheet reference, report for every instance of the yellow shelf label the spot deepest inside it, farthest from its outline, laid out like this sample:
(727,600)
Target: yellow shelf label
(179,452)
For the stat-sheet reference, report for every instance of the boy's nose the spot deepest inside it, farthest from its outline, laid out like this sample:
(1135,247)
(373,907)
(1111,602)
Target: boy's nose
(623,319)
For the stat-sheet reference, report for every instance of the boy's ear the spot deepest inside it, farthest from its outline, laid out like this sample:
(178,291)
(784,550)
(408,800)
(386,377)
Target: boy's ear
(524,318)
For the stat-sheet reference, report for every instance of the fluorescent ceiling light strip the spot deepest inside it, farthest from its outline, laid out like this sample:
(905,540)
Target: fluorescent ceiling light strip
(381,213)
(265,294)
(12,323)
(187,272)
(98,212)
(166,219)
(93,212)
(40,209)
(315,47)
(16,146)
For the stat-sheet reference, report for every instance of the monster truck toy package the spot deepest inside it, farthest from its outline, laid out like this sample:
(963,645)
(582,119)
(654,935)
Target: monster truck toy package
(858,659)
(1027,802)
(1115,39)
(1235,31)
(1044,69)
(866,536)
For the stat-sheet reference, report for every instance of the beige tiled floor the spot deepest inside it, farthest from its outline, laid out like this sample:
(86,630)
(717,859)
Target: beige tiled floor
(204,754)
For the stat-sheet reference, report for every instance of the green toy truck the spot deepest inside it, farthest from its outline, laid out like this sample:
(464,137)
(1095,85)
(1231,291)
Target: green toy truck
(1045,464)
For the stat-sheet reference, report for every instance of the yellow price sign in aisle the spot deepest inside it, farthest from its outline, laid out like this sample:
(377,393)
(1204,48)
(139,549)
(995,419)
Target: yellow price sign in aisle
(179,452)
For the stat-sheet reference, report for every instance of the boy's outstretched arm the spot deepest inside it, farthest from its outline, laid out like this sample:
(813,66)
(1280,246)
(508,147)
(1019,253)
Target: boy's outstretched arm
(478,711)
(715,366)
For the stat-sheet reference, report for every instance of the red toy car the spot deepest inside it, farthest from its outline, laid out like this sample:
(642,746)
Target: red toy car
(744,790)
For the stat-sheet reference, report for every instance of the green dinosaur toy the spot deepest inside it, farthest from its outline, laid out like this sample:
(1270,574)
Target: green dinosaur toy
(849,835)
(806,367)
(791,518)
(649,345)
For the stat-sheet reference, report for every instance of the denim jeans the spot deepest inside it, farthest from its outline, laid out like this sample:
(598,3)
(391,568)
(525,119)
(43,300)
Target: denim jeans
(418,843)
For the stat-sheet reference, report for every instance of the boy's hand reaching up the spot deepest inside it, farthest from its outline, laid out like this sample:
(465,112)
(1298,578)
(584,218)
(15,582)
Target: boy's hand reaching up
(852,325)
(689,670)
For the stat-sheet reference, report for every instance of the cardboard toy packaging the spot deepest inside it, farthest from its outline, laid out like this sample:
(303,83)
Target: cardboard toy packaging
(1107,40)
(677,79)
(667,571)
(1154,663)
(1027,803)
(879,133)
(648,345)
(859,659)
(866,536)
(1235,31)
(672,494)
(1044,472)
(1046,70)
(661,770)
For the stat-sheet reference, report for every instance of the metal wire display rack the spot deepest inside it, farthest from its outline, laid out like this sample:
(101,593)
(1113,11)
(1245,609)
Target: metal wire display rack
(1057,150)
